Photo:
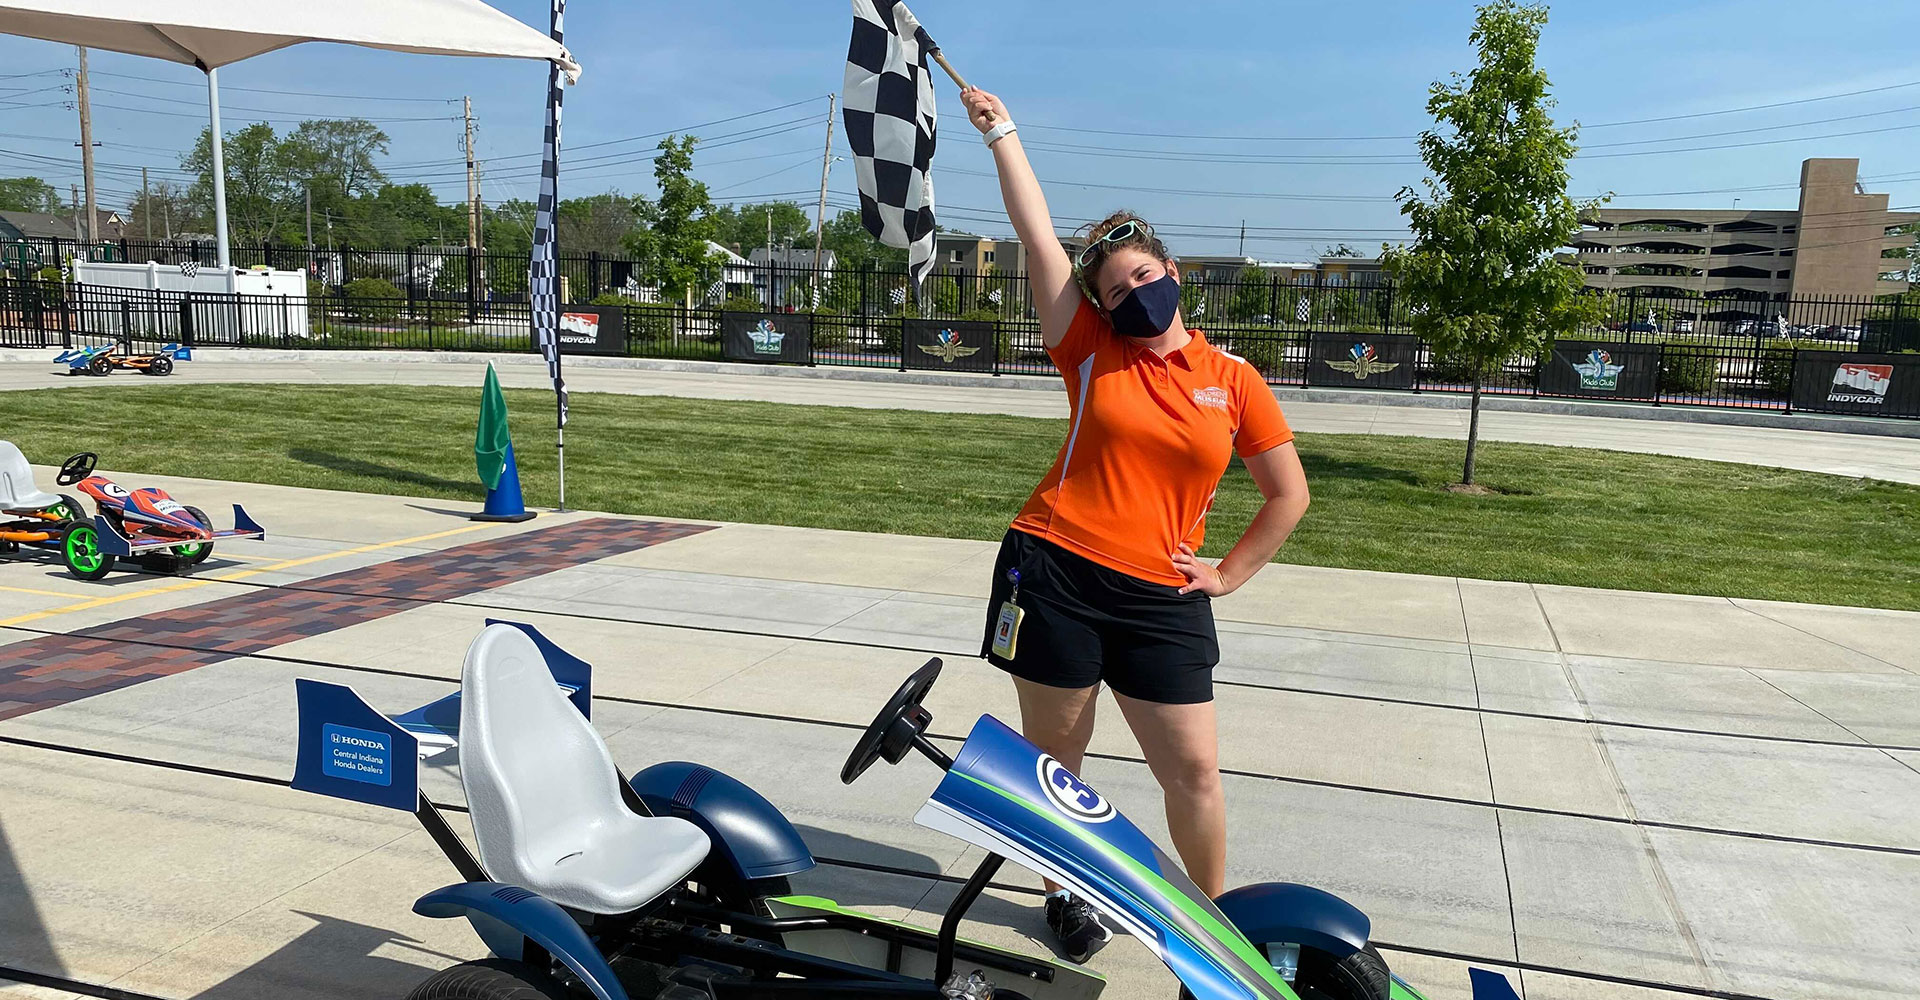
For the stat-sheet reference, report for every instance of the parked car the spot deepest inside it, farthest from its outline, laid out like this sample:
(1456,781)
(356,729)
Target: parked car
(1683,326)
(1643,326)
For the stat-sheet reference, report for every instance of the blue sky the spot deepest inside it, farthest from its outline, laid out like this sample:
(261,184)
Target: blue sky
(1322,77)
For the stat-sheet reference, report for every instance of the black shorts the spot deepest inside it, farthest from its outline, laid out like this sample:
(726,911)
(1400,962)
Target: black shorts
(1085,623)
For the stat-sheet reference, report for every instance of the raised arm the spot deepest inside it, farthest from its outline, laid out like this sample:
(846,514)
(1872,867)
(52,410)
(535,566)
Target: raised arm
(1056,297)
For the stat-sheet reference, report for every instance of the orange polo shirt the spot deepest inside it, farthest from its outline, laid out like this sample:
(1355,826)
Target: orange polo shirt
(1149,439)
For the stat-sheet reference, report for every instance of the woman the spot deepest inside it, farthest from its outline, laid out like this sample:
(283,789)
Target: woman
(1097,580)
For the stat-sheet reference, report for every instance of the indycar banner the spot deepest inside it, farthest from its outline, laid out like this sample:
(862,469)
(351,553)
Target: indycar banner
(948,345)
(593,330)
(767,338)
(1362,360)
(1607,370)
(1881,385)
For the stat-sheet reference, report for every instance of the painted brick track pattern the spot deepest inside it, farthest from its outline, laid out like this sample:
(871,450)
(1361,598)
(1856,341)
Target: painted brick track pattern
(55,670)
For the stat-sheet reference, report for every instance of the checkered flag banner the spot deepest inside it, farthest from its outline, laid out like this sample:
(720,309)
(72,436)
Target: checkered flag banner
(543,281)
(889,115)
(190,268)
(1303,311)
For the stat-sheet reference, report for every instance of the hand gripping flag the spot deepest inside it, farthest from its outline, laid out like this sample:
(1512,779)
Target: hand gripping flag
(889,115)
(543,281)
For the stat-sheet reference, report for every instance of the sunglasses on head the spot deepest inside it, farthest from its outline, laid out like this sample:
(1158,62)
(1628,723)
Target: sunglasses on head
(1117,234)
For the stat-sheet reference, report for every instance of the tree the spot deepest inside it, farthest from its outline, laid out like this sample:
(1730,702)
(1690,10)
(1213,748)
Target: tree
(402,215)
(1343,250)
(258,182)
(1250,296)
(508,228)
(744,227)
(1910,253)
(597,224)
(1480,270)
(332,161)
(853,246)
(29,194)
(163,210)
(673,246)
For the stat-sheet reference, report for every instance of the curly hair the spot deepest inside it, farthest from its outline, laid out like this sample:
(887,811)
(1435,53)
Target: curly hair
(1141,239)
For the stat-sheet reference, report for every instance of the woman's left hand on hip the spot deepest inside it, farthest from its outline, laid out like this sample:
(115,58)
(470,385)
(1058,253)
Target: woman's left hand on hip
(1201,576)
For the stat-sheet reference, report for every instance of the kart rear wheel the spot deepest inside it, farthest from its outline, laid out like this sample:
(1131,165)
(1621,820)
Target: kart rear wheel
(1362,975)
(100,365)
(492,979)
(80,550)
(160,365)
(195,553)
(68,509)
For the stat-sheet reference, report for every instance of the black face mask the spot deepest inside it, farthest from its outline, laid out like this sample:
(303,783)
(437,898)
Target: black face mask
(1148,310)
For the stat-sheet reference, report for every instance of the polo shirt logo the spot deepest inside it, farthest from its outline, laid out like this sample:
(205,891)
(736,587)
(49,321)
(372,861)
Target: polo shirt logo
(1213,396)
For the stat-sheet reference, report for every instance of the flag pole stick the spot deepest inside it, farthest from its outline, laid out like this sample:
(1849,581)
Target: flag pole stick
(960,81)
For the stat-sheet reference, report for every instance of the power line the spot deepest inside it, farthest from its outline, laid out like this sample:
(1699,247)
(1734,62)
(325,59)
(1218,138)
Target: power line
(1385,138)
(631,138)
(291,93)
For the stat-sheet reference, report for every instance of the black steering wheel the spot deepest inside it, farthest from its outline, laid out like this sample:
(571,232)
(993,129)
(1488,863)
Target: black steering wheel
(893,731)
(77,468)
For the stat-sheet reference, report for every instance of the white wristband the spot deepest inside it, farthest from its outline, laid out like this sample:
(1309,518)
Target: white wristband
(1000,131)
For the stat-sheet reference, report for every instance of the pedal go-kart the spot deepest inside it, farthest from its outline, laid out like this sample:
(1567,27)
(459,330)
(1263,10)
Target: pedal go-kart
(30,516)
(144,525)
(674,885)
(104,359)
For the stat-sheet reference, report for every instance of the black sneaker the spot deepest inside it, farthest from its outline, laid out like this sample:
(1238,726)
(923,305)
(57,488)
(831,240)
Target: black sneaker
(1077,925)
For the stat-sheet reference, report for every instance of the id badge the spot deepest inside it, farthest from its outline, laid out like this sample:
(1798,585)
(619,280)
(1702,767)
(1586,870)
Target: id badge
(1006,629)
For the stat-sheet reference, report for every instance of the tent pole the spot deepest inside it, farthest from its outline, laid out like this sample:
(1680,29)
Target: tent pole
(219,171)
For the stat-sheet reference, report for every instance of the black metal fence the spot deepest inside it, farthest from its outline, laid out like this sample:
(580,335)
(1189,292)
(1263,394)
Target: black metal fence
(1728,353)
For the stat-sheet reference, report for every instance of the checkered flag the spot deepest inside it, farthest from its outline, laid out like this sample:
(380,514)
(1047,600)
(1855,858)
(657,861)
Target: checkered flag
(889,114)
(543,291)
(1304,311)
(190,268)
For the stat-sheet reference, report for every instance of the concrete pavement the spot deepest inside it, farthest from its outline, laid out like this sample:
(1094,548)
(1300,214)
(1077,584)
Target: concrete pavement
(1886,456)
(1713,794)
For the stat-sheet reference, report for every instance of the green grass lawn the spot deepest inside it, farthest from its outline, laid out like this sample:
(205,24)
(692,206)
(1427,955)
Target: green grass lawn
(1564,515)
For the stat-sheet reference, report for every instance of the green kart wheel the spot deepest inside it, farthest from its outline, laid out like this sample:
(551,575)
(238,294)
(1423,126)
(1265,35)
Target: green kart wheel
(68,509)
(195,553)
(80,549)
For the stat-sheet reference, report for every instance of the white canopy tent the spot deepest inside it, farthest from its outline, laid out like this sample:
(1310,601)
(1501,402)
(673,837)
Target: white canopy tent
(210,34)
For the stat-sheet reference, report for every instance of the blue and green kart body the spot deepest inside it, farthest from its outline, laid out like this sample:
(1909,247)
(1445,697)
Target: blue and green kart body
(1000,793)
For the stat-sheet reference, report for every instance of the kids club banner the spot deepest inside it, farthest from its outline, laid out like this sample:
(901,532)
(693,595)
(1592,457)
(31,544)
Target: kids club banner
(1362,361)
(948,345)
(1604,370)
(1880,385)
(766,337)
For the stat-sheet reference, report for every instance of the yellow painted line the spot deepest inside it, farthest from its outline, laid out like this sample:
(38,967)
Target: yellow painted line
(236,575)
(42,593)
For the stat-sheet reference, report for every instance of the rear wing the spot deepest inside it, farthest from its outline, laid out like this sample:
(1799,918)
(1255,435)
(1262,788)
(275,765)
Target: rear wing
(348,749)
(114,542)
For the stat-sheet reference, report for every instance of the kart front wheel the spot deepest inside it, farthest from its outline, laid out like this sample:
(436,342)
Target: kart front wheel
(1362,975)
(492,979)
(100,365)
(195,553)
(80,550)
(160,365)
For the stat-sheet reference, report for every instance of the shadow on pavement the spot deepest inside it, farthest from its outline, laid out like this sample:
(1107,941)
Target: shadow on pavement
(333,959)
(24,941)
(375,470)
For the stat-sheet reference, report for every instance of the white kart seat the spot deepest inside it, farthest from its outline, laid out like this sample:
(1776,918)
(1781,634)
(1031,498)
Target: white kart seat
(545,795)
(17,491)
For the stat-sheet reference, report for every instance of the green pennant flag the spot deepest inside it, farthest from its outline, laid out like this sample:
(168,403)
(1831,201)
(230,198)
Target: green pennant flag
(490,441)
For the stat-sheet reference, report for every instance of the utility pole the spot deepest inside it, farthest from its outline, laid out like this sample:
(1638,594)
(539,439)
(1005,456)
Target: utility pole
(309,198)
(146,204)
(820,214)
(473,184)
(86,143)
(75,188)
(1243,237)
(768,272)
